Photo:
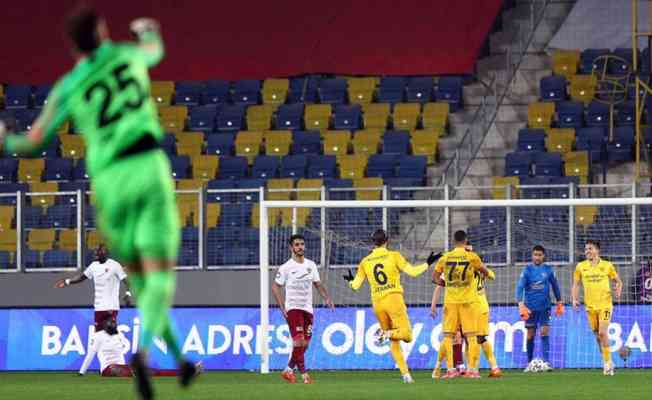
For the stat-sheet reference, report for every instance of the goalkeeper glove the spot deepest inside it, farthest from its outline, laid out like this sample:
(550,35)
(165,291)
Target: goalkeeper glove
(559,311)
(348,277)
(491,274)
(433,258)
(524,312)
(142,25)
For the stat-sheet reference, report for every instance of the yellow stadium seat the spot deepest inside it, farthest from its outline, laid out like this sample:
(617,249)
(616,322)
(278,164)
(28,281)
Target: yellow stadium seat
(560,140)
(205,167)
(248,143)
(72,146)
(367,141)
(582,87)
(186,210)
(43,187)
(539,115)
(8,240)
(362,183)
(352,166)
(190,143)
(309,184)
(375,115)
(361,90)
(173,118)
(259,117)
(576,163)
(585,215)
(285,184)
(275,91)
(277,143)
(94,238)
(406,115)
(435,115)
(285,216)
(425,143)
(273,216)
(162,92)
(565,62)
(317,116)
(213,212)
(7,214)
(368,82)
(63,128)
(30,169)
(336,142)
(499,183)
(68,239)
(190,184)
(41,239)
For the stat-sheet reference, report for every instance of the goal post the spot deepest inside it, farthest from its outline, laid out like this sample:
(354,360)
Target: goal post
(502,231)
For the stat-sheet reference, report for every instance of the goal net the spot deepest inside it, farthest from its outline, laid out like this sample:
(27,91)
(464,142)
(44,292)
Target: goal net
(503,233)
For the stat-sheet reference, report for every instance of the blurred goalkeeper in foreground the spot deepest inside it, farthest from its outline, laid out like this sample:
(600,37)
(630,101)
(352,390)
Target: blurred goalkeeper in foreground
(533,297)
(107,96)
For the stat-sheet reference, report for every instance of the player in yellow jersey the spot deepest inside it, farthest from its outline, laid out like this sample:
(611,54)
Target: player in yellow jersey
(455,271)
(383,269)
(594,273)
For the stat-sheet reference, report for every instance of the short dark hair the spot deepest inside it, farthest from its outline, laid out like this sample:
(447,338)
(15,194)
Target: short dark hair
(539,248)
(459,237)
(295,237)
(594,242)
(109,326)
(379,237)
(81,27)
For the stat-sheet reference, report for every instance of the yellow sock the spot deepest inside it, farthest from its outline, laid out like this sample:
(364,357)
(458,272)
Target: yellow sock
(395,348)
(448,351)
(441,355)
(474,353)
(606,354)
(489,354)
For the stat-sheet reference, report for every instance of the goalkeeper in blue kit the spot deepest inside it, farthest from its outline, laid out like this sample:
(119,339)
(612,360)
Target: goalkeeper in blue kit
(533,297)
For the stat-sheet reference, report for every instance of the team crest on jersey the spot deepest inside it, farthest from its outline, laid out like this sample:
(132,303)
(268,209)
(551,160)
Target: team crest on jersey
(106,270)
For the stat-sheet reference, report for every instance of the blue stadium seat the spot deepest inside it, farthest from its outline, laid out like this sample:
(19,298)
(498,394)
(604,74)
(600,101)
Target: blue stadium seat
(535,193)
(58,169)
(202,118)
(233,167)
(553,88)
(597,114)
(306,142)
(8,169)
(52,149)
(5,260)
(59,259)
(570,114)
(17,96)
(71,187)
(347,117)
(249,197)
(303,90)
(395,183)
(562,193)
(12,188)
(41,93)
(450,90)
(246,92)
(79,172)
(587,60)
(215,92)
(531,140)
(169,144)
(620,67)
(235,215)
(621,149)
(32,216)
(25,118)
(294,166)
(188,93)
(89,217)
(266,167)
(391,89)
(322,167)
(412,167)
(396,142)
(218,184)
(290,116)
(230,119)
(548,164)
(188,255)
(518,163)
(222,144)
(382,165)
(180,166)
(60,216)
(625,113)
(419,89)
(339,184)
(32,259)
(332,91)
(592,140)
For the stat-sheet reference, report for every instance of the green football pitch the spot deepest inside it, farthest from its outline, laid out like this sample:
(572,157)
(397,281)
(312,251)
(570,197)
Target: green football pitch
(341,385)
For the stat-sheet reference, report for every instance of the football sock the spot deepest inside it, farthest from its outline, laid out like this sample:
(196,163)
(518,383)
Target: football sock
(489,354)
(448,349)
(295,357)
(395,348)
(606,354)
(301,362)
(458,359)
(474,353)
(153,304)
(545,347)
(442,354)
(530,349)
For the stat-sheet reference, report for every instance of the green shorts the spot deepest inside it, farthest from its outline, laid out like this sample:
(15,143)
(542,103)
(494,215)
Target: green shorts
(136,208)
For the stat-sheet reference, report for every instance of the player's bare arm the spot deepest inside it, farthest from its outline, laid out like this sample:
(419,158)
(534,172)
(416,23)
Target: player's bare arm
(575,294)
(278,296)
(127,296)
(618,290)
(62,283)
(436,295)
(324,294)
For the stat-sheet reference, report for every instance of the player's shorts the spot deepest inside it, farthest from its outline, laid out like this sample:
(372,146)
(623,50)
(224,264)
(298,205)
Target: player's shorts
(136,207)
(596,317)
(117,371)
(538,318)
(300,324)
(101,316)
(391,313)
(460,315)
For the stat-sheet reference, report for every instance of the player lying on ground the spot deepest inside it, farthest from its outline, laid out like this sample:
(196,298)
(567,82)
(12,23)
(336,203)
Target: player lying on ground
(533,298)
(456,270)
(298,275)
(383,270)
(107,96)
(108,344)
(595,274)
(106,275)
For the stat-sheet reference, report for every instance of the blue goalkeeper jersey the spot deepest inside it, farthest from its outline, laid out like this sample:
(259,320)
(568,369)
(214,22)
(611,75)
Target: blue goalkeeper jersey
(534,287)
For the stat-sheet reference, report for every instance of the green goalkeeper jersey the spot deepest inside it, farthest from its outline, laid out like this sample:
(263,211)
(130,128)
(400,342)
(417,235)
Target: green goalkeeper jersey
(107,96)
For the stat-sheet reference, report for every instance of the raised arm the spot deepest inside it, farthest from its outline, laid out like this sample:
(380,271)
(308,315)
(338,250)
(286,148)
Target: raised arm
(149,40)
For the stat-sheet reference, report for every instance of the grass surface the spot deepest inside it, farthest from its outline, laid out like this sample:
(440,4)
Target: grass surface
(572,384)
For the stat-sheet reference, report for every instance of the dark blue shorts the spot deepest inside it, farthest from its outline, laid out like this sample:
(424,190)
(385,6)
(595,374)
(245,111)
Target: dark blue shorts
(538,318)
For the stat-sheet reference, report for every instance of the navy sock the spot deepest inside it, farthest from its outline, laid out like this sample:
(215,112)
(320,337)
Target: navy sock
(545,346)
(530,349)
